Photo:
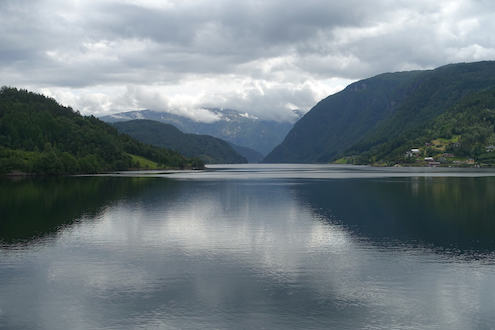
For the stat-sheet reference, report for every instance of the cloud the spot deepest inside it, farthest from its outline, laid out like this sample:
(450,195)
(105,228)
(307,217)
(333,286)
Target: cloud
(264,57)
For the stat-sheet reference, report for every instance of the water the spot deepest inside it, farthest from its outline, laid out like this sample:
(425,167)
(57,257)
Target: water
(242,247)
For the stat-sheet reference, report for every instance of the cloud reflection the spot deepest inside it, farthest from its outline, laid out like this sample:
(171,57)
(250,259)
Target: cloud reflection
(224,254)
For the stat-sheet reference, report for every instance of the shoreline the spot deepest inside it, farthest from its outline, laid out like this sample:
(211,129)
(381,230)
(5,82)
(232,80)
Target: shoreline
(20,174)
(145,172)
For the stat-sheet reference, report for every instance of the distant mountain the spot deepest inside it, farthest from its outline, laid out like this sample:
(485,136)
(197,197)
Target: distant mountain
(236,127)
(371,118)
(38,135)
(209,149)
(251,155)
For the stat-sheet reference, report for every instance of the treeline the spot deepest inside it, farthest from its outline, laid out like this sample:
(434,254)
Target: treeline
(38,135)
(470,123)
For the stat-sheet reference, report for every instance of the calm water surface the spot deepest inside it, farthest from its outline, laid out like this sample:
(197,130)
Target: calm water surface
(242,247)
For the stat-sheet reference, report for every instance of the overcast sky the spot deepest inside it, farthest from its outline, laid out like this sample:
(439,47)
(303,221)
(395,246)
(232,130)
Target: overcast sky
(264,57)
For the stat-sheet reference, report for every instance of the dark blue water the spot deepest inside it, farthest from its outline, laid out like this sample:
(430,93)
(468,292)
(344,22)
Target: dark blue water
(250,247)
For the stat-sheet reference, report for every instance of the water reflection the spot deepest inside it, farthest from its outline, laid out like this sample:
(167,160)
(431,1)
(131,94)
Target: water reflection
(34,207)
(252,254)
(447,213)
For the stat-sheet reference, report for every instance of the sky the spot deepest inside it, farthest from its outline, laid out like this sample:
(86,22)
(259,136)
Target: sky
(263,57)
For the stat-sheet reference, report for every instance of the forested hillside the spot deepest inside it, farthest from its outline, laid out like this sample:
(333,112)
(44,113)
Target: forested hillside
(375,120)
(341,120)
(207,148)
(37,135)
(464,134)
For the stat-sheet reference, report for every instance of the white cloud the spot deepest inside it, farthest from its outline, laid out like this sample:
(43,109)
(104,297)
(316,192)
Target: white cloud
(262,57)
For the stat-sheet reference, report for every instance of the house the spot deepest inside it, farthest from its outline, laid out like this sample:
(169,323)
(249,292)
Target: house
(412,153)
(455,145)
(490,148)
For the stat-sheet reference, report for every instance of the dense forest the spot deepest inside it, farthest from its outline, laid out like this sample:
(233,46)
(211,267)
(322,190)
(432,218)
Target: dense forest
(209,149)
(466,131)
(38,135)
(441,113)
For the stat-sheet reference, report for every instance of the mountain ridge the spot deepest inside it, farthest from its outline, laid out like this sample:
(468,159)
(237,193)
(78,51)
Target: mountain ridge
(236,127)
(375,113)
(209,149)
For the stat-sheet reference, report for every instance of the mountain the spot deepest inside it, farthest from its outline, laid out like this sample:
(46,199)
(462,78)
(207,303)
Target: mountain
(372,117)
(37,135)
(251,155)
(462,135)
(235,127)
(209,149)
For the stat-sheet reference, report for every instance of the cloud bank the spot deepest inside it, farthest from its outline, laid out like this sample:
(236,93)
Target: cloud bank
(262,57)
